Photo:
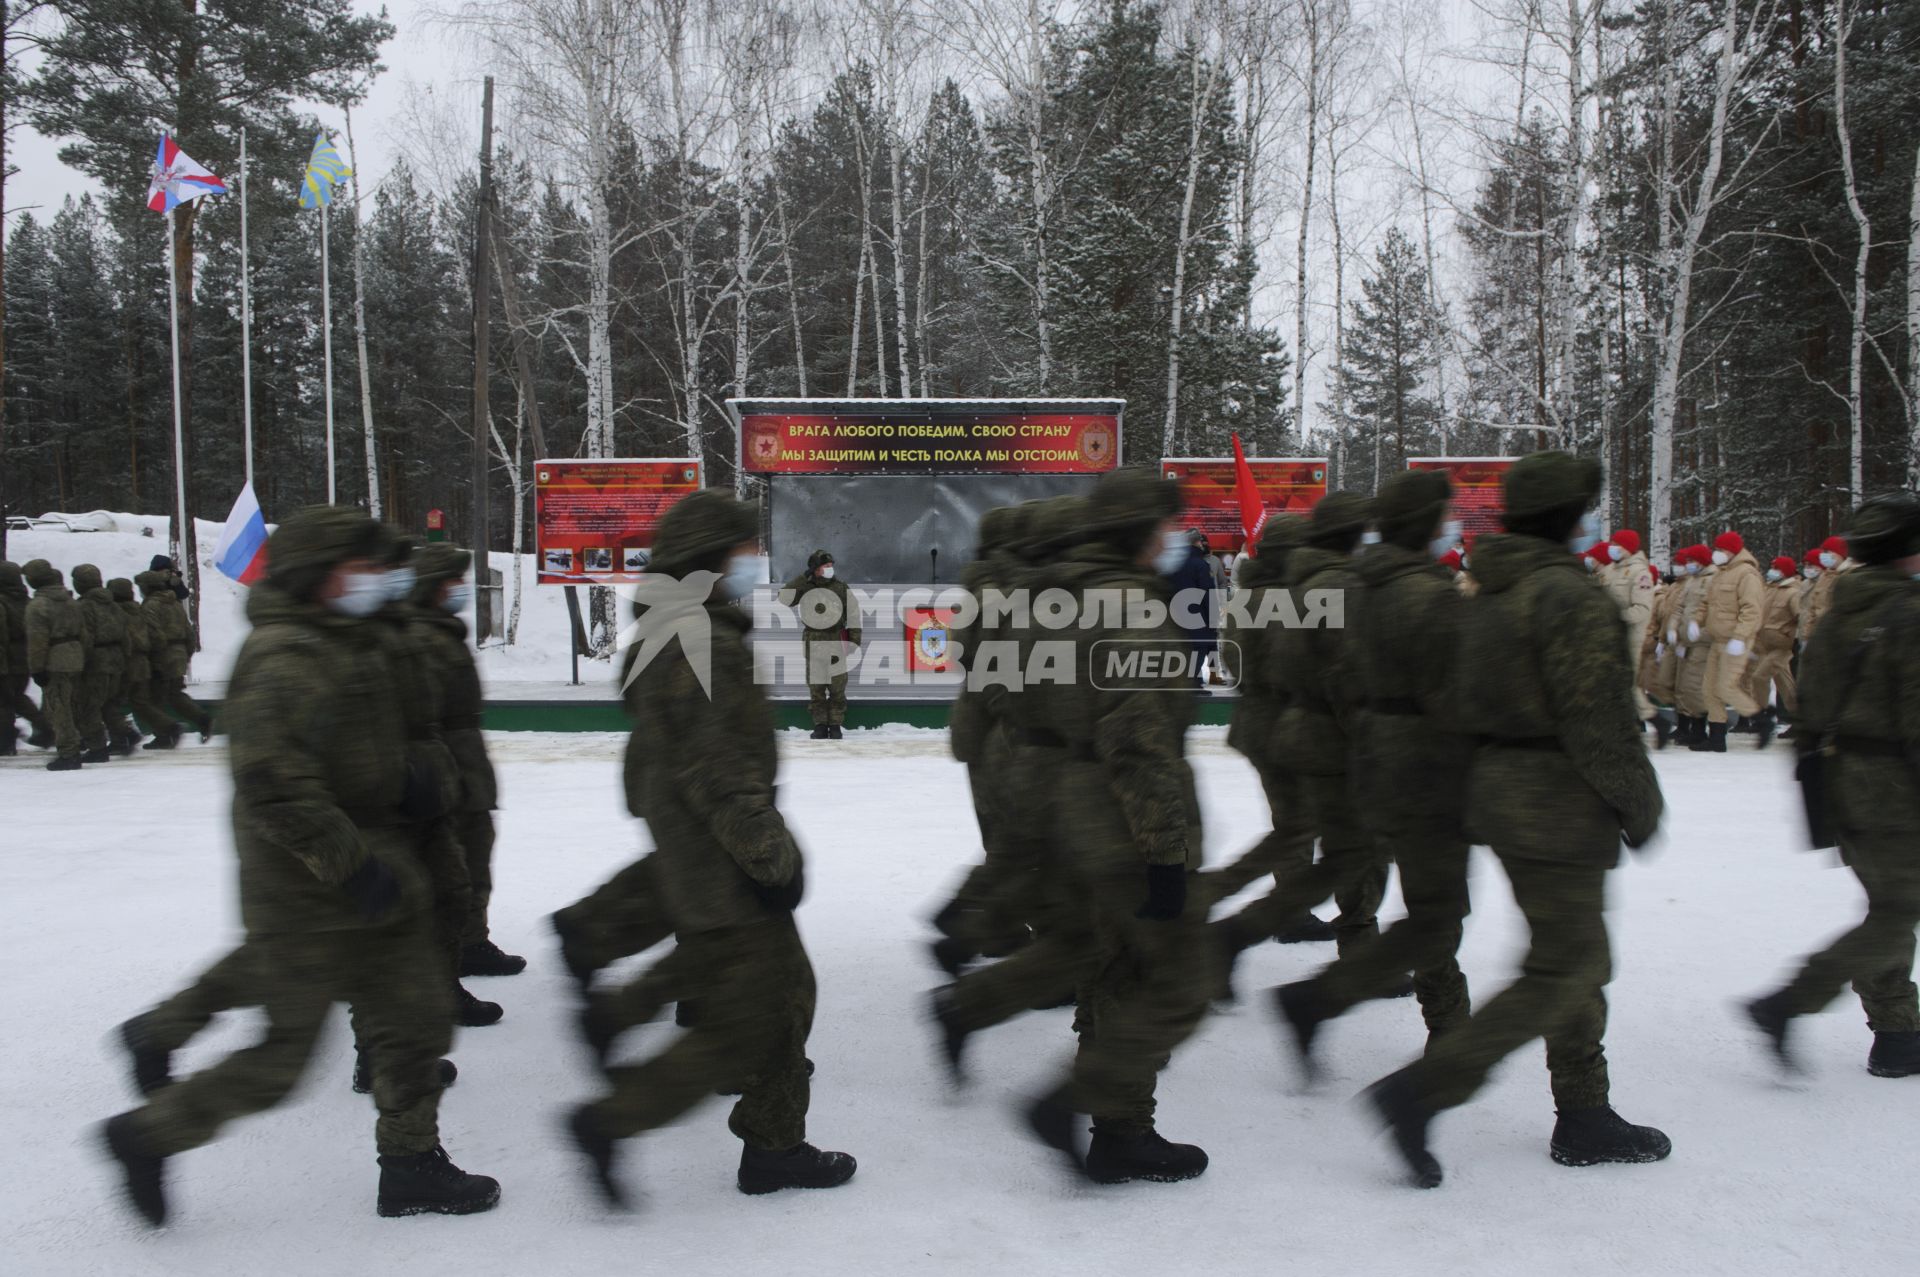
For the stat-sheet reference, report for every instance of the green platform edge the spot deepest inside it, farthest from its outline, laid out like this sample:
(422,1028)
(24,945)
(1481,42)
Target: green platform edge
(607,716)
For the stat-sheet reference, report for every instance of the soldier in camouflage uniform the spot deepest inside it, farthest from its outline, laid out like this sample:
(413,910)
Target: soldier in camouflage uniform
(1860,710)
(1250,655)
(170,649)
(14,674)
(1559,780)
(1410,769)
(731,871)
(138,693)
(1310,741)
(333,894)
(989,914)
(57,659)
(830,617)
(106,730)
(1128,821)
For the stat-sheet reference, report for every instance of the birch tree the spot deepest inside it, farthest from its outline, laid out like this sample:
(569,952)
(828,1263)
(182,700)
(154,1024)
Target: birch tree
(360,330)
(1856,334)
(1204,24)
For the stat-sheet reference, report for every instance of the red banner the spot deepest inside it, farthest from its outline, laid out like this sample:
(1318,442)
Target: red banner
(1478,501)
(931,442)
(593,520)
(1287,485)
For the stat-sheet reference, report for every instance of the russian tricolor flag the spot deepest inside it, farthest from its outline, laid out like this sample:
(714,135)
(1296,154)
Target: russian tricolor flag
(242,551)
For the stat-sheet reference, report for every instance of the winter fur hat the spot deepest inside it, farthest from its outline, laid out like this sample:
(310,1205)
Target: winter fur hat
(86,578)
(1338,519)
(1628,540)
(434,564)
(818,559)
(1730,542)
(699,530)
(1411,505)
(41,574)
(1001,528)
(160,563)
(11,581)
(1885,528)
(1053,525)
(121,589)
(312,542)
(1128,503)
(1545,482)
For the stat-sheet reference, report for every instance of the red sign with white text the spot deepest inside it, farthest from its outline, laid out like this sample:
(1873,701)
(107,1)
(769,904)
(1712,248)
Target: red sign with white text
(933,442)
(593,520)
(1211,503)
(1478,499)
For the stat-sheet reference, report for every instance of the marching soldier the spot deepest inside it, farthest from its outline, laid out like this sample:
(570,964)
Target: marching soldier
(170,649)
(1771,678)
(14,674)
(57,659)
(1730,623)
(1687,638)
(1831,554)
(105,729)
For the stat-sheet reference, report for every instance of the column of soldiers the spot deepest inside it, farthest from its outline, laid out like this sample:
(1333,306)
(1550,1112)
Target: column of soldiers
(1425,721)
(95,654)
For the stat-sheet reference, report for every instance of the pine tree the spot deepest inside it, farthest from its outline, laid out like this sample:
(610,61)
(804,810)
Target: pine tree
(1390,349)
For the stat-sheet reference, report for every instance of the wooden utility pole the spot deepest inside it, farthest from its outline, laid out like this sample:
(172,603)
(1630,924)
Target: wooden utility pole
(482,412)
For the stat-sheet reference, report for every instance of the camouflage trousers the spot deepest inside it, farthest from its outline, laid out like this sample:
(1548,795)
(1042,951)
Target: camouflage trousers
(147,715)
(60,703)
(474,830)
(403,1012)
(1288,847)
(624,916)
(169,695)
(1876,957)
(826,690)
(1352,870)
(17,704)
(1149,990)
(1063,958)
(756,992)
(994,907)
(98,715)
(1560,995)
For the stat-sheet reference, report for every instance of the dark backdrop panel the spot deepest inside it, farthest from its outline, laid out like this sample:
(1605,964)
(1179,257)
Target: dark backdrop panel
(884,527)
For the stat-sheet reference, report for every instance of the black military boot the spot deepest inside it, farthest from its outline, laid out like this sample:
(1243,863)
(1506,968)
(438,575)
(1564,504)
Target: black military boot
(952,954)
(10,743)
(833,733)
(953,1038)
(598,1148)
(1716,738)
(124,745)
(598,1027)
(363,1073)
(686,1014)
(486,958)
(1114,1158)
(1306,929)
(430,1184)
(470,1012)
(152,1067)
(1303,1011)
(802,1166)
(1764,728)
(101,755)
(146,1185)
(1406,1120)
(65,763)
(167,737)
(821,732)
(1663,730)
(41,737)
(1770,1016)
(1588,1137)
(573,954)
(1055,1123)
(1895,1054)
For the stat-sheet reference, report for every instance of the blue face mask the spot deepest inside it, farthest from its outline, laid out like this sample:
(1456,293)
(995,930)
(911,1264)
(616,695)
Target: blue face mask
(1587,535)
(1448,539)
(400,583)
(459,597)
(742,574)
(1173,552)
(362,594)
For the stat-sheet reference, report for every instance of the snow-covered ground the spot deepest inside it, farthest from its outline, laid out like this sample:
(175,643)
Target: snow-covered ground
(117,887)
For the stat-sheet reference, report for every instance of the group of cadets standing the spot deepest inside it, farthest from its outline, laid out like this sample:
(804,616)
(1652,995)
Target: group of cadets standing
(1430,720)
(95,653)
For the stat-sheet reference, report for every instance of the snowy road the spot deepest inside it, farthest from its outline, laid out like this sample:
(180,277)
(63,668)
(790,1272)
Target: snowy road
(116,887)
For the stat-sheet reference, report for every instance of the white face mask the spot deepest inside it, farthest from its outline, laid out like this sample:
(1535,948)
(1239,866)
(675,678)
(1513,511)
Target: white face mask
(1773,574)
(1615,553)
(1810,572)
(825,573)
(1448,539)
(1721,558)
(1172,553)
(742,574)
(1828,559)
(458,598)
(1587,535)
(361,594)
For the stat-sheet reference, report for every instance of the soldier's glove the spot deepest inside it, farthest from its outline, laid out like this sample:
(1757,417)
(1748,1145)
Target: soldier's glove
(785,897)
(1166,893)
(422,803)
(374,888)
(1736,648)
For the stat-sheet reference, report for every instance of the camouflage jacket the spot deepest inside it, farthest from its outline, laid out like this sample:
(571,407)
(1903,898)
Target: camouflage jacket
(1401,634)
(442,639)
(139,668)
(1249,652)
(701,770)
(1129,798)
(976,712)
(1543,680)
(1312,734)
(112,645)
(318,749)
(13,626)
(169,632)
(56,633)
(838,616)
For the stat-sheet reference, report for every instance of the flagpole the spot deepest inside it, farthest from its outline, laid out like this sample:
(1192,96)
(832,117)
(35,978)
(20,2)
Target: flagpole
(246,316)
(179,433)
(326,343)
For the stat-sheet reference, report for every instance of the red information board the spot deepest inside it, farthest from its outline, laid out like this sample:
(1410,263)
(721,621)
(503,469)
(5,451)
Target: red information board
(1477,499)
(930,441)
(1288,485)
(593,520)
